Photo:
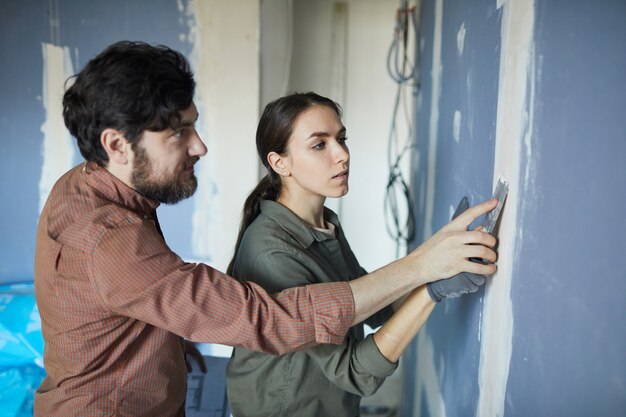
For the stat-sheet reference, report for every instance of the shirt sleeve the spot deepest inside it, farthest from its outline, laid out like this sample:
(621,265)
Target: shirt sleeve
(356,367)
(136,275)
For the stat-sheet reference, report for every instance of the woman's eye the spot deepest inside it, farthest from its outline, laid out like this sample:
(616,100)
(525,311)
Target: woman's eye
(318,146)
(342,139)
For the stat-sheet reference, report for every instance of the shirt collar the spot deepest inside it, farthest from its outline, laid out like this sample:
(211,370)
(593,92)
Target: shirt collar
(116,191)
(287,220)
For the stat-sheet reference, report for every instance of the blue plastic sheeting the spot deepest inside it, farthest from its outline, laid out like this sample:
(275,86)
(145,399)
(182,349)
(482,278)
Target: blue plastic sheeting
(21,350)
(21,361)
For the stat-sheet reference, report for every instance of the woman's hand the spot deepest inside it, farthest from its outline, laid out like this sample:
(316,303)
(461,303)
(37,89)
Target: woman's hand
(448,251)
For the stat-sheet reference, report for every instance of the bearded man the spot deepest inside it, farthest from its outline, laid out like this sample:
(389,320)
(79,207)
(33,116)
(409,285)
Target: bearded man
(116,303)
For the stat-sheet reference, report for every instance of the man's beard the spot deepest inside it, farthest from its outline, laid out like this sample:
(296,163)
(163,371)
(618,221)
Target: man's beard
(168,190)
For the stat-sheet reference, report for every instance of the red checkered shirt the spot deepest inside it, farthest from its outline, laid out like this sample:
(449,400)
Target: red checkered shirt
(115,303)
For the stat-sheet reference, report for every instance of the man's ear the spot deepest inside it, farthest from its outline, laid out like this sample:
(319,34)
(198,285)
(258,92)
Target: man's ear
(115,145)
(279,164)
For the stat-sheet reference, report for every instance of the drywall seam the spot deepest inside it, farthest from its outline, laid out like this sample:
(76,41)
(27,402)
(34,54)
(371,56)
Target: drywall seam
(433,127)
(57,148)
(512,132)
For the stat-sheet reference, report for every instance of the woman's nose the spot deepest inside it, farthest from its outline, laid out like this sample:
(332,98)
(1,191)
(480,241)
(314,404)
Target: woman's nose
(341,152)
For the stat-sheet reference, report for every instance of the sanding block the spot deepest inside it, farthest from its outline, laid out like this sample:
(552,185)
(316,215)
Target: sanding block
(491,219)
(501,191)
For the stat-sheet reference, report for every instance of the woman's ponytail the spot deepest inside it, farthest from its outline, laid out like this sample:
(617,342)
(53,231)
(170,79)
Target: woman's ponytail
(267,189)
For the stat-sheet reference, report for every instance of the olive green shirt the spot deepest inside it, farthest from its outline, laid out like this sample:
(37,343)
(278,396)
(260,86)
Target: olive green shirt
(280,251)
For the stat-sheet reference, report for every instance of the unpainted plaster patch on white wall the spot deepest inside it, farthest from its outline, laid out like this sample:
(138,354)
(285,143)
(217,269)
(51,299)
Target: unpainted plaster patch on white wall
(456,126)
(427,386)
(225,62)
(433,127)
(511,130)
(57,149)
(460,39)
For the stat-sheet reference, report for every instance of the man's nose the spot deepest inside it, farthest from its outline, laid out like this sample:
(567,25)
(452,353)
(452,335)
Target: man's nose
(197,148)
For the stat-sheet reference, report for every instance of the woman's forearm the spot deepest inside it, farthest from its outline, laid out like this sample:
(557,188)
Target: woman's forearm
(395,335)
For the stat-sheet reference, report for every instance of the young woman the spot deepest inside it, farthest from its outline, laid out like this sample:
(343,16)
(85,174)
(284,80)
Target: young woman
(287,239)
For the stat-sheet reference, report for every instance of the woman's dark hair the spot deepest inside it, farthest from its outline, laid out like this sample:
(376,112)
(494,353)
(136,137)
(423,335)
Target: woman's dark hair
(272,135)
(130,86)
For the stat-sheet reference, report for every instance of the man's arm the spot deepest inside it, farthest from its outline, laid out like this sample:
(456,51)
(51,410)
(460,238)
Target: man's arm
(444,255)
(137,275)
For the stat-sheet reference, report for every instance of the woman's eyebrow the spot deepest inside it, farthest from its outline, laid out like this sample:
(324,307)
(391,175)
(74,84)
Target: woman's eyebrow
(325,134)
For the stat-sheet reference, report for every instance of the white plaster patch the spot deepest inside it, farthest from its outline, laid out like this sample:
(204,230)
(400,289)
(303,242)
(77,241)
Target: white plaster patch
(529,169)
(204,198)
(456,126)
(225,61)
(460,39)
(428,385)
(511,130)
(433,126)
(57,149)
(470,108)
(480,325)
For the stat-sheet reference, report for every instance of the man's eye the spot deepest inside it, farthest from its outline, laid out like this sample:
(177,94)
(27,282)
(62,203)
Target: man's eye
(179,133)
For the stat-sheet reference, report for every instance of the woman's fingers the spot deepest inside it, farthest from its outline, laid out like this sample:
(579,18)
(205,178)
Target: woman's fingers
(482,252)
(448,251)
(468,216)
(477,237)
(478,268)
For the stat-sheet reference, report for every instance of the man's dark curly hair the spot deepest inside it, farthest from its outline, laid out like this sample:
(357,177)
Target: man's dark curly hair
(131,87)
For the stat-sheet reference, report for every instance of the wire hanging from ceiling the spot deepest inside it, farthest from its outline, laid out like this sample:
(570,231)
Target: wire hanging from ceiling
(399,213)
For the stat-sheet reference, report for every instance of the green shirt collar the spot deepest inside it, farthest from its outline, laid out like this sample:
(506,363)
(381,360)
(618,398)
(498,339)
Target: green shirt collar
(287,220)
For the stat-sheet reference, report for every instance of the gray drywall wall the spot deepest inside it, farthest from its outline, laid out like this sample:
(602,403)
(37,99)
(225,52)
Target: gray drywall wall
(568,273)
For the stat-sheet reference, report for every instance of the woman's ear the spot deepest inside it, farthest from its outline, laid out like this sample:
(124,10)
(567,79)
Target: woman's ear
(115,145)
(279,164)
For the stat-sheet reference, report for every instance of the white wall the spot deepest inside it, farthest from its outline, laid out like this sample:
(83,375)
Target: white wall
(225,58)
(339,50)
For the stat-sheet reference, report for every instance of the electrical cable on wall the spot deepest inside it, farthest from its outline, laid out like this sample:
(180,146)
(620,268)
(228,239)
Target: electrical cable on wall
(401,222)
